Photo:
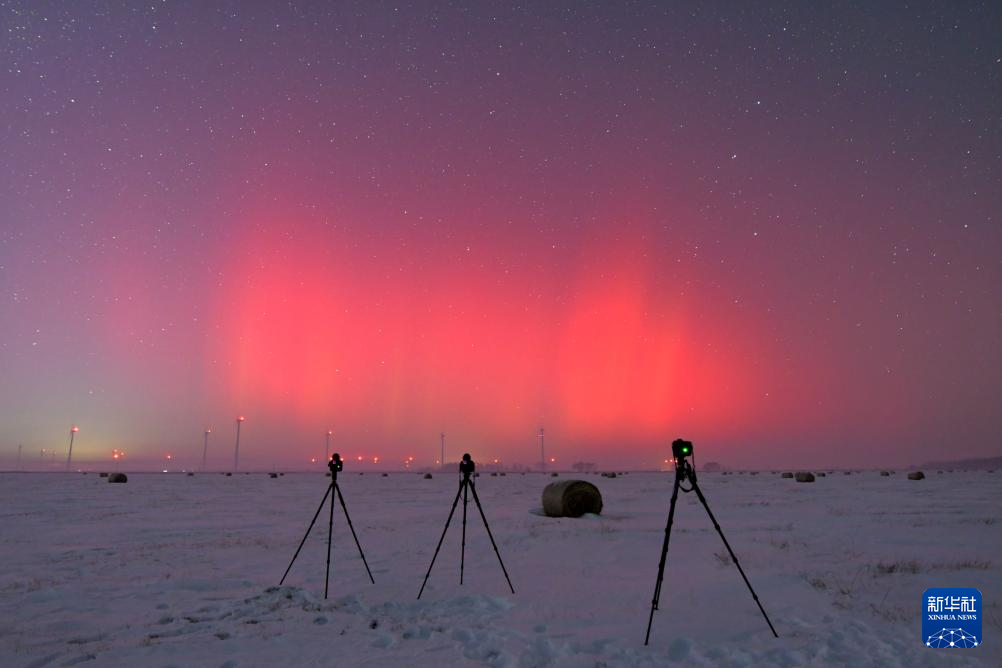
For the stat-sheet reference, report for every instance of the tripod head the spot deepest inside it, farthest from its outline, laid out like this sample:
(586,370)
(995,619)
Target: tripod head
(335,465)
(466,466)
(681,450)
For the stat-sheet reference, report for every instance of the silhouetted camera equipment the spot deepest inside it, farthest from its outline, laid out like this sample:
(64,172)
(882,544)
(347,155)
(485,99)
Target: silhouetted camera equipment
(334,491)
(684,472)
(466,485)
(681,448)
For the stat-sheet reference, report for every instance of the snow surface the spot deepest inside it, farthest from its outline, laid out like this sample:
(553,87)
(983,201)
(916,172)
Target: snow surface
(171,570)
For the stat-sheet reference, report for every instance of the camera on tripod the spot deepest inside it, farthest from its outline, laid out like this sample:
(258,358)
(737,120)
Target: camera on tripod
(466,466)
(335,464)
(680,449)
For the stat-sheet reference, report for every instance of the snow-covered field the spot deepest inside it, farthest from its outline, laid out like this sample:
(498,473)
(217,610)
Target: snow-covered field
(170,570)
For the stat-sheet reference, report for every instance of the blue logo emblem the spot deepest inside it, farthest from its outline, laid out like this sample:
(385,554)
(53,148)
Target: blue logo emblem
(951,618)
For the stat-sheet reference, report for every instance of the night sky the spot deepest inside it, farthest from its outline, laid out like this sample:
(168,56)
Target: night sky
(772,228)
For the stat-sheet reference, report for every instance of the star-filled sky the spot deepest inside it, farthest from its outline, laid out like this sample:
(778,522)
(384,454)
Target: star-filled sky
(769,227)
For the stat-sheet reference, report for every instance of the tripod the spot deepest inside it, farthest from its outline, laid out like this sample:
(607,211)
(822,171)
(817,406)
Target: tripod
(335,465)
(466,485)
(683,471)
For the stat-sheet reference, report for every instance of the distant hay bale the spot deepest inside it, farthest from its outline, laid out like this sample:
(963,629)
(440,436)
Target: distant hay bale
(553,475)
(804,476)
(494,474)
(503,474)
(916,475)
(427,476)
(786,474)
(609,474)
(190,474)
(272,475)
(104,474)
(822,474)
(118,477)
(846,472)
(386,475)
(571,498)
(885,474)
(229,475)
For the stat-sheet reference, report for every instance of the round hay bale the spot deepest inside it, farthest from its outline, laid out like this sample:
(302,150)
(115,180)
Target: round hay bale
(427,476)
(553,475)
(493,474)
(846,472)
(104,474)
(786,474)
(229,475)
(386,475)
(504,474)
(821,474)
(804,476)
(118,477)
(571,498)
(916,475)
(885,474)
(272,475)
(190,474)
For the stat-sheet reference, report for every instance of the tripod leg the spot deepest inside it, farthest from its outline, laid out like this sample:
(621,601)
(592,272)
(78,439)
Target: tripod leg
(664,558)
(462,549)
(337,488)
(439,546)
(489,535)
(330,536)
(319,508)
(702,499)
